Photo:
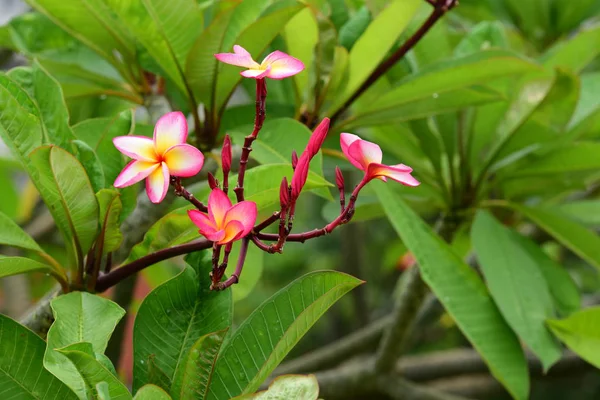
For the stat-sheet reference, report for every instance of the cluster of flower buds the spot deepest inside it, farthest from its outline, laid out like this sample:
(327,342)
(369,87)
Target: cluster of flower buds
(167,157)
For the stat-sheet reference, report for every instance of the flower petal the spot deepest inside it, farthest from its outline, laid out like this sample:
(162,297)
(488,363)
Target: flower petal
(171,129)
(282,65)
(218,205)
(365,153)
(157,183)
(255,73)
(244,212)
(203,222)
(318,137)
(184,160)
(346,139)
(300,175)
(233,230)
(137,147)
(239,57)
(216,236)
(134,172)
(401,175)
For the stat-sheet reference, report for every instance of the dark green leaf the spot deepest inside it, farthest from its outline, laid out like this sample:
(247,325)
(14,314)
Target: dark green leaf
(90,161)
(354,27)
(110,208)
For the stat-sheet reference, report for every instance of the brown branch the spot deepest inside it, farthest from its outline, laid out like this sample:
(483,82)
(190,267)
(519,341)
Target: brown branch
(184,193)
(440,8)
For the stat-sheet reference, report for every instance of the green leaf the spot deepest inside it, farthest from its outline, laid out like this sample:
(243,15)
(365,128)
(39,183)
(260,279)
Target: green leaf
(271,331)
(576,52)
(482,36)
(65,188)
(462,293)
(254,39)
(581,333)
(21,265)
(110,208)
(586,212)
(151,392)
(156,376)
(93,373)
(77,320)
(298,387)
(90,161)
(192,380)
(516,284)
(581,156)
(175,315)
(13,235)
(22,373)
(371,48)
(103,390)
(354,27)
(572,235)
(167,30)
(98,133)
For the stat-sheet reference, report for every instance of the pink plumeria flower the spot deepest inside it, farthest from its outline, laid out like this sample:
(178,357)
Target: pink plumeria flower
(367,157)
(160,158)
(224,223)
(276,65)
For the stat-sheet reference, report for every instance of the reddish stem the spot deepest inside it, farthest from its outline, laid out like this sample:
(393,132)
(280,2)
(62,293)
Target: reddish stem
(235,277)
(261,97)
(267,222)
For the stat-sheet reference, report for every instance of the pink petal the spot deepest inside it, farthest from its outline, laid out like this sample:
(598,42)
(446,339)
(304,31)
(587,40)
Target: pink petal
(203,222)
(300,175)
(401,175)
(255,73)
(134,172)
(365,153)
(282,65)
(171,129)
(240,57)
(318,137)
(244,212)
(346,139)
(184,160)
(233,230)
(216,236)
(137,147)
(218,205)
(157,184)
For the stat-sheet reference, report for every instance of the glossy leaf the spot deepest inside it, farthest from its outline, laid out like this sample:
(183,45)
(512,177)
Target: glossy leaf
(151,392)
(175,315)
(269,333)
(94,373)
(110,208)
(65,188)
(22,374)
(462,293)
(192,380)
(516,284)
(90,161)
(581,333)
(13,235)
(371,48)
(76,321)
(574,236)
(299,387)
(22,265)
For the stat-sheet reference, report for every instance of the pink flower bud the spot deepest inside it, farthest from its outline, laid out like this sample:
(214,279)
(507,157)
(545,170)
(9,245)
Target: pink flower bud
(339,178)
(294,159)
(212,182)
(226,155)
(284,194)
(318,137)
(300,175)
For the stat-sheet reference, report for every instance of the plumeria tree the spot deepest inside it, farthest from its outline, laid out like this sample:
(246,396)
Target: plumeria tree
(149,150)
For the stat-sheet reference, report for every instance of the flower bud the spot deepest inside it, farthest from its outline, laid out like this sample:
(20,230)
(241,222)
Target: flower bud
(339,179)
(284,193)
(212,182)
(226,155)
(294,159)
(318,137)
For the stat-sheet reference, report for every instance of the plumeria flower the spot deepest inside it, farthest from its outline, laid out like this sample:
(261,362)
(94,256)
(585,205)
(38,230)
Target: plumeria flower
(160,158)
(367,156)
(276,65)
(224,222)
(312,148)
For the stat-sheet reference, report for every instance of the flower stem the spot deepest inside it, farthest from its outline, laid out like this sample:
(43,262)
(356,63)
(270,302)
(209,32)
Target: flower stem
(235,277)
(182,192)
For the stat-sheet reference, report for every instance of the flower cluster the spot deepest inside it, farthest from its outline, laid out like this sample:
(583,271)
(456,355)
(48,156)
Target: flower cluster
(165,158)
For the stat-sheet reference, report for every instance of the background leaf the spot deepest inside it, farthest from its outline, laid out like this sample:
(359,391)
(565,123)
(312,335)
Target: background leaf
(300,387)
(151,392)
(581,333)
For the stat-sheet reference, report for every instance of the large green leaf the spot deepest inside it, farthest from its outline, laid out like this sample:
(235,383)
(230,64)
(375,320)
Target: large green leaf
(298,387)
(110,208)
(22,374)
(581,333)
(167,30)
(13,235)
(175,315)
(151,392)
(255,39)
(516,284)
(586,212)
(571,234)
(98,133)
(22,265)
(79,317)
(192,380)
(574,157)
(65,188)
(462,293)
(271,331)
(91,163)
(94,373)
(575,53)
(371,48)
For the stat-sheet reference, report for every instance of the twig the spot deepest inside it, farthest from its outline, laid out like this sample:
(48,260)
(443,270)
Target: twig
(183,192)
(440,8)
(261,97)
(234,278)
